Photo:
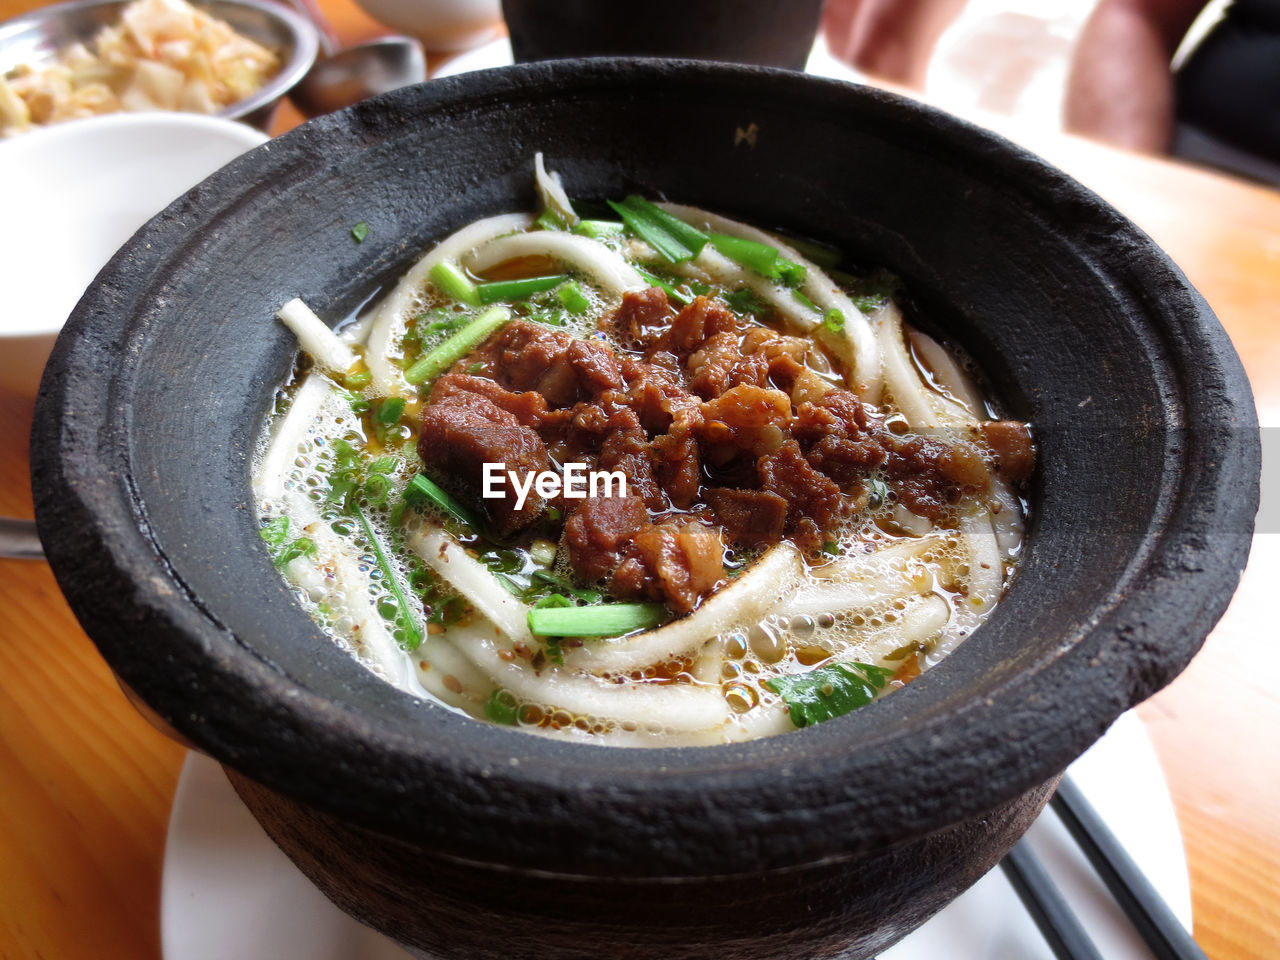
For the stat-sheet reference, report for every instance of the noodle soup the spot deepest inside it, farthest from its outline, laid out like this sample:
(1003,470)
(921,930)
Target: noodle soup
(647,477)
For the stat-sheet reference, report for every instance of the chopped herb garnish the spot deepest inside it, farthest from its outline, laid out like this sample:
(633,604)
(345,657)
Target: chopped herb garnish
(833,320)
(804,301)
(745,301)
(423,487)
(574,300)
(452,282)
(830,691)
(561,583)
(550,220)
(870,303)
(501,707)
(501,290)
(606,620)
(831,548)
(357,379)
(671,291)
(405,627)
(441,321)
(275,531)
(791,273)
(474,368)
(877,493)
(457,346)
(376,488)
(384,465)
(360,231)
(389,411)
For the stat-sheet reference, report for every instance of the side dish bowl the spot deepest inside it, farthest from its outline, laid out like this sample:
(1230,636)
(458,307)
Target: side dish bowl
(462,839)
(37,37)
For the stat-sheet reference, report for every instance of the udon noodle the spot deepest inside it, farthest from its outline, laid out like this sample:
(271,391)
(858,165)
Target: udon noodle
(817,502)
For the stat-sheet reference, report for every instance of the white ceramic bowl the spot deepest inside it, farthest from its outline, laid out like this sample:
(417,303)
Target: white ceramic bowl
(72,194)
(439,24)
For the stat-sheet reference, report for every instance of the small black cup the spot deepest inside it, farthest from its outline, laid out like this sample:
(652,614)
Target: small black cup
(775,33)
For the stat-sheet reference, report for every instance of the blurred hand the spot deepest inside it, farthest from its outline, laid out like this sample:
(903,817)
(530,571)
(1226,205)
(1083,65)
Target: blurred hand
(890,39)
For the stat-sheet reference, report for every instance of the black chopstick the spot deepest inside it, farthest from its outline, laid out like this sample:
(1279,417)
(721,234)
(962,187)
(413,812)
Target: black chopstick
(1058,925)
(1148,912)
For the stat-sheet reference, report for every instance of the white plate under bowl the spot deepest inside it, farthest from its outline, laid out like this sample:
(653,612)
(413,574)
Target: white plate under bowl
(72,194)
(230,894)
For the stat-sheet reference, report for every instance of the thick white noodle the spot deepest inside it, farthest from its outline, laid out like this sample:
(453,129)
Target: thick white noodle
(551,190)
(986,570)
(743,602)
(920,622)
(856,342)
(370,636)
(1007,521)
(314,338)
(948,375)
(611,272)
(291,430)
(400,304)
(924,408)
(472,579)
(681,708)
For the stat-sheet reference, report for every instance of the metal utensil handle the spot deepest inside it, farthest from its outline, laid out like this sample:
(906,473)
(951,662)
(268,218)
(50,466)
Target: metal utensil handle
(18,540)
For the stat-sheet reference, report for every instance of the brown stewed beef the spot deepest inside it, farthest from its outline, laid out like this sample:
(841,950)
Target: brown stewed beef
(461,431)
(726,430)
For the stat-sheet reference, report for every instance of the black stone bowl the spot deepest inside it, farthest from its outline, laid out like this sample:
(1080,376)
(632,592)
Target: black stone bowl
(465,840)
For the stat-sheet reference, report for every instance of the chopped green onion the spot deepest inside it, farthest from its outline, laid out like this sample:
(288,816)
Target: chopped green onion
(517,289)
(745,301)
(759,257)
(384,465)
(877,492)
(406,631)
(574,300)
(422,486)
(833,320)
(831,548)
(452,282)
(360,231)
(354,381)
(607,620)
(791,273)
(674,239)
(444,321)
(376,489)
(302,547)
(553,319)
(457,346)
(501,707)
(671,291)
(599,229)
(389,411)
(689,236)
(474,368)
(870,302)
(550,220)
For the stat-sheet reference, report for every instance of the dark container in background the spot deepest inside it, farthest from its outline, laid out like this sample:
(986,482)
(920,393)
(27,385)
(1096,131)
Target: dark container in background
(776,33)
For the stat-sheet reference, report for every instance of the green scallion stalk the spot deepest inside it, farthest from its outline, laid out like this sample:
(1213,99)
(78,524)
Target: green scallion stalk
(760,257)
(574,300)
(689,236)
(672,292)
(833,320)
(599,229)
(452,282)
(457,346)
(606,620)
(501,290)
(407,632)
(424,487)
(668,247)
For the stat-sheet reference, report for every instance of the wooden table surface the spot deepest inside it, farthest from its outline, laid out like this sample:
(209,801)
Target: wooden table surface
(86,784)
